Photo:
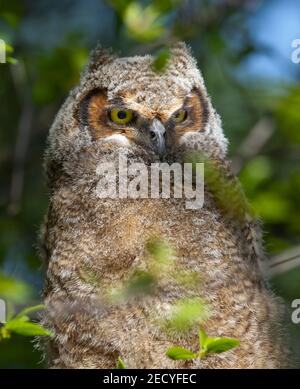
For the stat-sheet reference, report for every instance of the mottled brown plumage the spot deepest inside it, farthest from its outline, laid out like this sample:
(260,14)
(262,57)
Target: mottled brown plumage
(92,245)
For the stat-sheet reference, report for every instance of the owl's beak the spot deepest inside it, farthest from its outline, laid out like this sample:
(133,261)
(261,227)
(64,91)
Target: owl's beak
(157,134)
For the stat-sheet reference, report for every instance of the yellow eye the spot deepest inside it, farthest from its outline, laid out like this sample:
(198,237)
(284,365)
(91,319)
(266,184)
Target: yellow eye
(180,116)
(121,116)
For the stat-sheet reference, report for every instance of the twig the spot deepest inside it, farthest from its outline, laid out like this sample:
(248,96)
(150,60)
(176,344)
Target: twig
(254,142)
(285,261)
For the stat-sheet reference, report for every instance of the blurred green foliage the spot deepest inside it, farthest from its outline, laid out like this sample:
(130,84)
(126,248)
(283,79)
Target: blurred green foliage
(185,314)
(143,282)
(47,45)
(14,290)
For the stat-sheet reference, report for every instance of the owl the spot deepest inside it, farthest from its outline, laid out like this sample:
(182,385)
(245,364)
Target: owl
(92,246)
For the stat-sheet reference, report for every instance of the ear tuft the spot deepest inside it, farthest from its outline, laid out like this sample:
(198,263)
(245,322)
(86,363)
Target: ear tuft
(181,54)
(100,56)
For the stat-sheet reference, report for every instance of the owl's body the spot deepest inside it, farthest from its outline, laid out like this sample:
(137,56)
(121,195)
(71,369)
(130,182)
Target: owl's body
(93,245)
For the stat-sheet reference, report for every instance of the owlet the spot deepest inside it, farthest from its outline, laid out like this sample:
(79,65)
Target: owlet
(130,277)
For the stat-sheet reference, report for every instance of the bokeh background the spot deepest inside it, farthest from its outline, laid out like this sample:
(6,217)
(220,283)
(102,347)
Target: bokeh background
(244,50)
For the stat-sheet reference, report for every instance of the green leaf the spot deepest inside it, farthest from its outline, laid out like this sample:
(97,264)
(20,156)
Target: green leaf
(12,60)
(20,318)
(161,251)
(22,327)
(186,313)
(178,352)
(161,60)
(32,309)
(227,191)
(141,283)
(120,364)
(143,24)
(8,48)
(4,333)
(187,277)
(202,338)
(220,345)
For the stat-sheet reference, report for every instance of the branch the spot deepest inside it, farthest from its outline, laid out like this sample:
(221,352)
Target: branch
(254,142)
(285,261)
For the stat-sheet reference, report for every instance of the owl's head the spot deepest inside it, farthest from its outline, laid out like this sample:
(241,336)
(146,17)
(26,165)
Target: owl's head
(126,102)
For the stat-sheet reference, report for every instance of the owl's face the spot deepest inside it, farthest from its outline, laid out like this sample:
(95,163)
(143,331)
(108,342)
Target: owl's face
(128,118)
(126,102)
